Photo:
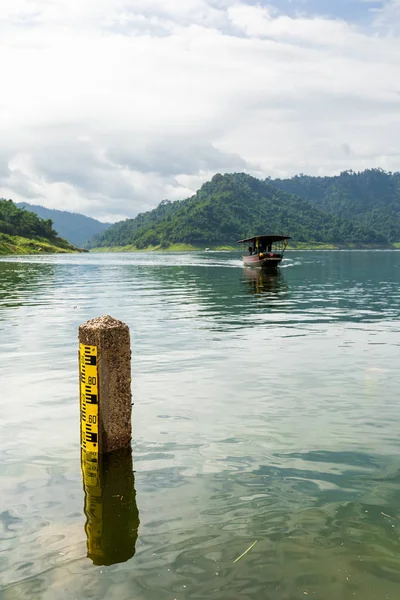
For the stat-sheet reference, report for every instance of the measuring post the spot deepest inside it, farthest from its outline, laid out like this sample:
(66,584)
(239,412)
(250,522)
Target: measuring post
(105,385)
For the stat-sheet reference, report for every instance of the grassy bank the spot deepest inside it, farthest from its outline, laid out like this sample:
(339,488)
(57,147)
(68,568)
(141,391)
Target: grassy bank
(171,248)
(190,248)
(14,244)
(133,248)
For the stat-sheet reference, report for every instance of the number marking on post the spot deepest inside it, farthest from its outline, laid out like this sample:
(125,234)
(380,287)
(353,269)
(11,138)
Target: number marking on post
(89,394)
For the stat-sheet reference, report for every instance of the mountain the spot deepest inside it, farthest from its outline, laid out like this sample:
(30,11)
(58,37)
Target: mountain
(23,232)
(371,198)
(75,228)
(230,207)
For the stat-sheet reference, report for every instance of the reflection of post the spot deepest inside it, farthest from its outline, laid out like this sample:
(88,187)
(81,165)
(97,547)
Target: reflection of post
(112,516)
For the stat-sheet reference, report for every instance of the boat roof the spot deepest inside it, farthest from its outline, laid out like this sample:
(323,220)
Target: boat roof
(267,238)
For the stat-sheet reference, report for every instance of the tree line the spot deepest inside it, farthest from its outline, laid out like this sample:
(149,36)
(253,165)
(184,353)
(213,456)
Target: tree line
(16,221)
(234,206)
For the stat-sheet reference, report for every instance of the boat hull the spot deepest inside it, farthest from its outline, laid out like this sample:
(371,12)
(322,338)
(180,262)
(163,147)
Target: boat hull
(265,261)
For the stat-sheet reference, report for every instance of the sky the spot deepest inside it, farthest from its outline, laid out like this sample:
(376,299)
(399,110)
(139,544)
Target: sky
(108,107)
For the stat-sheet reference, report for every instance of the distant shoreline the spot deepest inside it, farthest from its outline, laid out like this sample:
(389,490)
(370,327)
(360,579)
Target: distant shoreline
(227,248)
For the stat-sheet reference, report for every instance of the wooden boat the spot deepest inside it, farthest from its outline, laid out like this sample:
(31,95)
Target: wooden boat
(265,251)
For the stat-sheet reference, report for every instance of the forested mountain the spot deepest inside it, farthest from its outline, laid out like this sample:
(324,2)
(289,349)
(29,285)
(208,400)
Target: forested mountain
(25,232)
(372,197)
(233,206)
(121,234)
(74,227)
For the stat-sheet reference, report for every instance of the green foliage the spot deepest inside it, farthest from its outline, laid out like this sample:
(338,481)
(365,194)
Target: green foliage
(21,229)
(121,233)
(15,221)
(235,206)
(75,228)
(370,198)
(14,244)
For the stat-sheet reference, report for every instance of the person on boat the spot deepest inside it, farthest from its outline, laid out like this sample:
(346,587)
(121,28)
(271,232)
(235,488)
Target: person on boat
(250,250)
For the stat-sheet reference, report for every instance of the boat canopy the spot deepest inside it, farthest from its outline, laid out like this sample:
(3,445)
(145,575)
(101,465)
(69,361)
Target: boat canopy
(267,238)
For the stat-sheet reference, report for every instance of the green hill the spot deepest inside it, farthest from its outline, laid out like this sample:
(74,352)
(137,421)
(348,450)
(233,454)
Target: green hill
(230,207)
(23,232)
(371,198)
(75,228)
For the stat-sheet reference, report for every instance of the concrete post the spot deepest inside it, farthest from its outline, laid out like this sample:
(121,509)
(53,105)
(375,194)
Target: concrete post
(105,385)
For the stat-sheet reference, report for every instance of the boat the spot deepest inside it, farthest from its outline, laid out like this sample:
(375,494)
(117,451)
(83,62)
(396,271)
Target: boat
(265,251)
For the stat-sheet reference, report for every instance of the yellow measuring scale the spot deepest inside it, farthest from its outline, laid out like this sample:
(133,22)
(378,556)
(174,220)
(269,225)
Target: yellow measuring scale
(89,393)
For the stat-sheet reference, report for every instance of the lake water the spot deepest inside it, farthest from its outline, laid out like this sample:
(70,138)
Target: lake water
(266,409)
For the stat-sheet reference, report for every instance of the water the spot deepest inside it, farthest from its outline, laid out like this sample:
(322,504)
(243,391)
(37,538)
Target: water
(266,408)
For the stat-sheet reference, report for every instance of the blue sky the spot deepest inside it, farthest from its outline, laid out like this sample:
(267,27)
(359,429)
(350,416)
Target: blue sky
(115,105)
(349,10)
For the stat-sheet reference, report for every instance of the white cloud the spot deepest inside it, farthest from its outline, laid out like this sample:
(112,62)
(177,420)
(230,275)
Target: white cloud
(109,106)
(388,17)
(263,22)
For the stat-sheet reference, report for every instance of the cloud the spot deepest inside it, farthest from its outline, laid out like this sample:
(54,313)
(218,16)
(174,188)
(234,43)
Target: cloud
(110,106)
(388,17)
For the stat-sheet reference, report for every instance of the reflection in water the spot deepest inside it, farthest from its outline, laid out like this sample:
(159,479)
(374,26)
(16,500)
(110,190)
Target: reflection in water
(261,281)
(280,425)
(112,516)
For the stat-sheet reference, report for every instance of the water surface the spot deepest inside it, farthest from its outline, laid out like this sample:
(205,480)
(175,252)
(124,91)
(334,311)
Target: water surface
(266,408)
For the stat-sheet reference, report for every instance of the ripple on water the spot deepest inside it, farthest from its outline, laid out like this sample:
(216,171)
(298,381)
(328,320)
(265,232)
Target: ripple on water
(265,408)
